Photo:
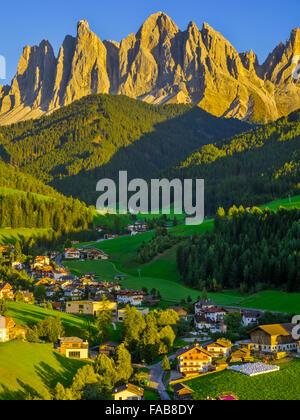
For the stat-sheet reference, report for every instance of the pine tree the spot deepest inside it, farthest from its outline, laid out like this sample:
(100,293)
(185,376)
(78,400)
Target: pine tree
(166,364)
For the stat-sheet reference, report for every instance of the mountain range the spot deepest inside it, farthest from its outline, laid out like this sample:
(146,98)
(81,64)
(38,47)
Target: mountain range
(160,65)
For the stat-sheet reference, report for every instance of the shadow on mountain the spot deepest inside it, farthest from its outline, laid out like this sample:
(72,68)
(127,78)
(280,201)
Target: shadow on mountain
(170,142)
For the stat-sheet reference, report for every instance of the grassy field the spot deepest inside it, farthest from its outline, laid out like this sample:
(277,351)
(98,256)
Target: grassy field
(36,369)
(282,385)
(26,315)
(274,301)
(8,235)
(287,203)
(162,274)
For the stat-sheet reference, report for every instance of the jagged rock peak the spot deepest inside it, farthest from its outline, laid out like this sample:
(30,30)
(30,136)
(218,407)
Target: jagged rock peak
(161,21)
(83,25)
(159,64)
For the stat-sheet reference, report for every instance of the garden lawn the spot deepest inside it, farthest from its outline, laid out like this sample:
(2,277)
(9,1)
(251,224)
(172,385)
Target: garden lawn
(33,369)
(282,385)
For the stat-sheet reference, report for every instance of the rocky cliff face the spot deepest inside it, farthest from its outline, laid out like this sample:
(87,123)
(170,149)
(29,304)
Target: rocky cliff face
(159,64)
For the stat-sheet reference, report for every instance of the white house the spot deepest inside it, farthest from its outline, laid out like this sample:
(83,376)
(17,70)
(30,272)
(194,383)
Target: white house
(215,314)
(4,331)
(202,305)
(128,392)
(74,293)
(17,265)
(131,297)
(72,254)
(250,318)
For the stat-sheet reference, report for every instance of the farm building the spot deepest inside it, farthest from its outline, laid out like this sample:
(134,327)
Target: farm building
(274,338)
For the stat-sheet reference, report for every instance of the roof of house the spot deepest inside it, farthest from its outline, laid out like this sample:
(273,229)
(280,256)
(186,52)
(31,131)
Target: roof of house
(70,340)
(180,387)
(129,388)
(223,345)
(251,314)
(5,284)
(178,309)
(213,310)
(192,347)
(276,329)
(206,302)
(110,344)
(201,319)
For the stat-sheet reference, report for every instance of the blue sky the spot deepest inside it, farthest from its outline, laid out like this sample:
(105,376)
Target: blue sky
(259,25)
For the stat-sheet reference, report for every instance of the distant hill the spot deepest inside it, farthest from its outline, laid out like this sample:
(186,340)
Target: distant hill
(26,202)
(101,134)
(251,168)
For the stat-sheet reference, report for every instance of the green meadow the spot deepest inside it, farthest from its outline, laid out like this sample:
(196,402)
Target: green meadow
(33,370)
(8,235)
(276,386)
(26,315)
(162,274)
(274,301)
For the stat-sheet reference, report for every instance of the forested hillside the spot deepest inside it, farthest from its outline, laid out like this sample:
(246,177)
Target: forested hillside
(28,203)
(252,250)
(101,134)
(251,168)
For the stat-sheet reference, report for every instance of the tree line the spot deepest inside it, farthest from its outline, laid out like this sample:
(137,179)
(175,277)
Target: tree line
(251,250)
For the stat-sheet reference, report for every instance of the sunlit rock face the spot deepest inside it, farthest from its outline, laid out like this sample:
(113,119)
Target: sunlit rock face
(158,64)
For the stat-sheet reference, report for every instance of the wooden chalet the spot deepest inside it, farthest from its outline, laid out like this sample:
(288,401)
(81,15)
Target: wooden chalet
(182,392)
(194,359)
(94,254)
(6,291)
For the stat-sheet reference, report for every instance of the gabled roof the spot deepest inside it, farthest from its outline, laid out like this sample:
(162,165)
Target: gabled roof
(220,345)
(70,340)
(130,388)
(192,347)
(276,329)
(180,387)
